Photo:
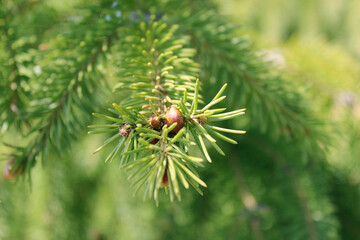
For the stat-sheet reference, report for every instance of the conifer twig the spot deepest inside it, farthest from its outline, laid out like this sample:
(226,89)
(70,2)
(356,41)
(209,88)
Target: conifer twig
(58,126)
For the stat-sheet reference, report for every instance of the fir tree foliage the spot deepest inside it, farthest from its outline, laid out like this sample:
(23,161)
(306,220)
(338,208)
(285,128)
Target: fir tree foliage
(65,89)
(277,182)
(161,76)
(154,64)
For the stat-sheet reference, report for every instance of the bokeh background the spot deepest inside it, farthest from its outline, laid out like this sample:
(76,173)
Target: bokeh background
(316,45)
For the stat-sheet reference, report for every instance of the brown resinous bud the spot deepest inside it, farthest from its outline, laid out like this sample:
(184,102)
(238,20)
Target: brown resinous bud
(173,115)
(124,130)
(165,179)
(155,122)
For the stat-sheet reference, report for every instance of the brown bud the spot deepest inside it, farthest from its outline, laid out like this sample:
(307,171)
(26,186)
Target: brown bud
(9,172)
(173,115)
(201,120)
(125,132)
(155,122)
(165,179)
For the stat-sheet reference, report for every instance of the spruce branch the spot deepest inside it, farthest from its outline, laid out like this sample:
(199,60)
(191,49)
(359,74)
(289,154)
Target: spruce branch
(161,112)
(226,57)
(71,83)
(161,118)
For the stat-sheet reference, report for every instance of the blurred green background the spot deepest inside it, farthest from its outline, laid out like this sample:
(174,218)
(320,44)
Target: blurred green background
(316,43)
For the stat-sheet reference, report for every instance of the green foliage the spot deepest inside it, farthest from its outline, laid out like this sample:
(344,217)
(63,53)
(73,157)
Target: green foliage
(159,73)
(64,89)
(290,177)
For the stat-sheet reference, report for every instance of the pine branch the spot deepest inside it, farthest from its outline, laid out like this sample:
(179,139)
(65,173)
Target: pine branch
(153,124)
(75,89)
(223,56)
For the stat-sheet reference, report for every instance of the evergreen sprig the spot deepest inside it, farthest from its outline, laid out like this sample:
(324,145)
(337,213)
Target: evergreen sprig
(66,88)
(227,58)
(152,126)
(271,175)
